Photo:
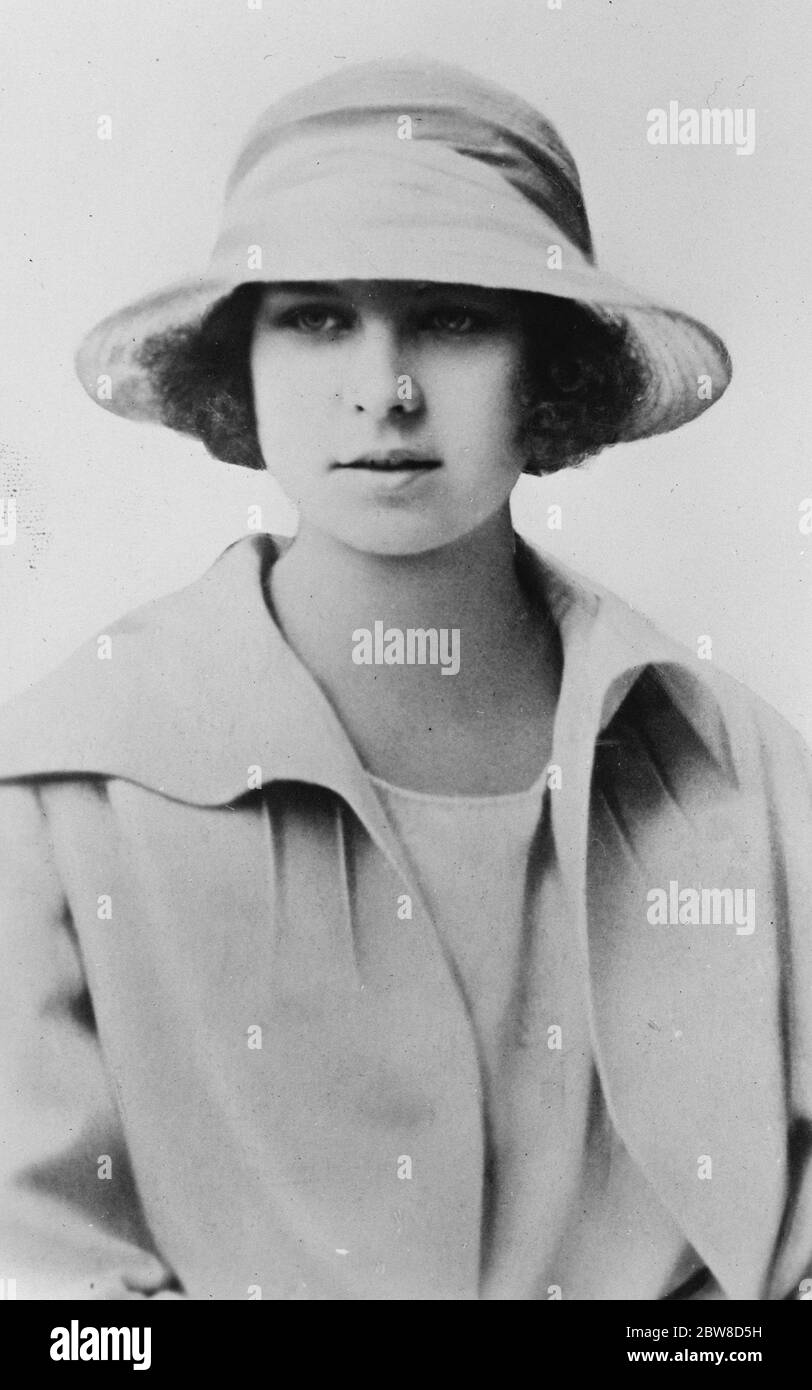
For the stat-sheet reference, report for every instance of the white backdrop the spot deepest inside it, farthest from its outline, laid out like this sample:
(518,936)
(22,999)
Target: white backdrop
(699,529)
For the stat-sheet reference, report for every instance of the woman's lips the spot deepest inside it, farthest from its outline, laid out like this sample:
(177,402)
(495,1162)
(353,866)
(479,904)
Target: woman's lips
(395,461)
(399,475)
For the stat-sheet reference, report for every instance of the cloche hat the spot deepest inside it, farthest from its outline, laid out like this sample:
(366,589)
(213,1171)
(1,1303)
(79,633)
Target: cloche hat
(410,169)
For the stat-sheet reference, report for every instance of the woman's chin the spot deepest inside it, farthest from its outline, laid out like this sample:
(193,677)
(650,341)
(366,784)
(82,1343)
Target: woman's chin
(387,535)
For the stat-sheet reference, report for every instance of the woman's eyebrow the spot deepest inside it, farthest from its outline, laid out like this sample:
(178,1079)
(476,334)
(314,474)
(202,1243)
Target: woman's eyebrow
(411,296)
(474,295)
(322,287)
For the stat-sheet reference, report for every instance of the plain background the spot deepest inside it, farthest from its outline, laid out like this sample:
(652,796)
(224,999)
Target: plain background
(699,529)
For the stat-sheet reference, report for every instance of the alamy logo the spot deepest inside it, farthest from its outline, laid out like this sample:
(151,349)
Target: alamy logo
(103,1344)
(702,907)
(711,125)
(416,646)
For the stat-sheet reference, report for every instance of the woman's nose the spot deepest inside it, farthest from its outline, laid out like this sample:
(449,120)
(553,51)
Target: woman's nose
(376,379)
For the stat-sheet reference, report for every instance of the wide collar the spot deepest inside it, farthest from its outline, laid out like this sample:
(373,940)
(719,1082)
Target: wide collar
(193,690)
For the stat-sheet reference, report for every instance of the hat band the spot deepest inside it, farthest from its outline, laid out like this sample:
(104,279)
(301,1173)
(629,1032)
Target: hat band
(382,208)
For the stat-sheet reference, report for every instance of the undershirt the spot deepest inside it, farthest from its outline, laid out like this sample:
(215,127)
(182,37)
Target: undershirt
(566,1211)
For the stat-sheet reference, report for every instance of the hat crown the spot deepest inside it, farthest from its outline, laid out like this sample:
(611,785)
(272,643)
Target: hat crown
(445,104)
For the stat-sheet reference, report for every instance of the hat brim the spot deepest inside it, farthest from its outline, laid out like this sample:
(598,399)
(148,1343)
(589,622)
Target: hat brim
(686,366)
(367,210)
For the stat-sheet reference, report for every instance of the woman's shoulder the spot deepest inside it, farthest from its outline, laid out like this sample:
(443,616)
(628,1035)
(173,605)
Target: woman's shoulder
(612,641)
(118,703)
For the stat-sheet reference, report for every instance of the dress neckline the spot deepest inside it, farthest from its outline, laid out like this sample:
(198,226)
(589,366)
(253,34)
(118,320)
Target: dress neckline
(528,794)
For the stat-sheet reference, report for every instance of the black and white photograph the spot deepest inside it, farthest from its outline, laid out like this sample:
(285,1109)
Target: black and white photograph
(405,548)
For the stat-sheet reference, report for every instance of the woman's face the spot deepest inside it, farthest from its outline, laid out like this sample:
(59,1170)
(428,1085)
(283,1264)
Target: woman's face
(387,411)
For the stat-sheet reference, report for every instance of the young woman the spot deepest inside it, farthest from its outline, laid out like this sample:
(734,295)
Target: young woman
(391,914)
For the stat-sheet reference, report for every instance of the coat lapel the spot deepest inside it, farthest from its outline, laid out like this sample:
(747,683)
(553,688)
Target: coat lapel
(685,1019)
(188,700)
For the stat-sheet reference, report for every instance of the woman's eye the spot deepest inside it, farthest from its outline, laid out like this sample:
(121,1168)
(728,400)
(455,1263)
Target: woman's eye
(313,320)
(454,321)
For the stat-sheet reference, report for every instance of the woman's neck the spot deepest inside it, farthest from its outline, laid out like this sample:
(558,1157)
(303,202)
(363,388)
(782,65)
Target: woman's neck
(323,592)
(485,730)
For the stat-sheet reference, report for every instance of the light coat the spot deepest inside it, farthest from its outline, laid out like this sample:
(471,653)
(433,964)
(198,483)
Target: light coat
(157,911)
